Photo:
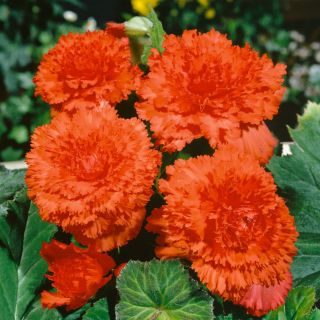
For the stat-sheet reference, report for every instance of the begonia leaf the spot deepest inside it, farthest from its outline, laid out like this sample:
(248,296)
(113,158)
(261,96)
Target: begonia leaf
(19,133)
(298,177)
(300,302)
(99,311)
(21,268)
(39,313)
(77,314)
(8,285)
(315,315)
(160,290)
(278,314)
(298,305)
(10,182)
(156,37)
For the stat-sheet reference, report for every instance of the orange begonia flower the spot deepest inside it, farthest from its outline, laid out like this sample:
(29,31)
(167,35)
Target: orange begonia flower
(92,174)
(260,298)
(83,69)
(202,85)
(223,214)
(116,29)
(256,141)
(77,274)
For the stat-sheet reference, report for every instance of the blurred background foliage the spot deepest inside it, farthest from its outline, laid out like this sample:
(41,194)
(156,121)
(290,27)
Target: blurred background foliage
(29,28)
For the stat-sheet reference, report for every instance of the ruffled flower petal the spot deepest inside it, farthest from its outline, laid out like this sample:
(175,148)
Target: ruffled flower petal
(92,174)
(83,69)
(202,85)
(89,268)
(222,213)
(256,141)
(260,299)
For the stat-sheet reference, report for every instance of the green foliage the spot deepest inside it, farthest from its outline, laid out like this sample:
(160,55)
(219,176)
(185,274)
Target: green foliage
(99,311)
(38,313)
(298,306)
(28,30)
(298,177)
(77,314)
(22,233)
(156,37)
(315,315)
(160,290)
(300,302)
(243,20)
(8,288)
(19,133)
(10,182)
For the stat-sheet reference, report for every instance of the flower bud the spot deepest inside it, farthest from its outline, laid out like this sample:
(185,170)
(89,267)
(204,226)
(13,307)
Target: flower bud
(138,26)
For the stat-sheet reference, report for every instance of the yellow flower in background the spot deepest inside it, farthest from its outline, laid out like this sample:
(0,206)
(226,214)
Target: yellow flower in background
(210,13)
(204,3)
(182,3)
(143,6)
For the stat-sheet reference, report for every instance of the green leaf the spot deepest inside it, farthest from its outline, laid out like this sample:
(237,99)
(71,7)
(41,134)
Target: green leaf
(23,264)
(278,314)
(8,285)
(15,107)
(39,313)
(160,290)
(77,314)
(156,37)
(315,315)
(32,267)
(298,177)
(13,224)
(19,133)
(298,305)
(300,302)
(25,79)
(99,311)
(11,154)
(10,182)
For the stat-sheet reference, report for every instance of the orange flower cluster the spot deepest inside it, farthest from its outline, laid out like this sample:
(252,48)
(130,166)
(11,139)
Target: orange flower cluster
(223,215)
(83,69)
(202,85)
(90,271)
(91,173)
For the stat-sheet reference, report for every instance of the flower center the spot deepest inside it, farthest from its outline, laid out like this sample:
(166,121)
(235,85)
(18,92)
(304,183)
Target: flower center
(236,225)
(90,167)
